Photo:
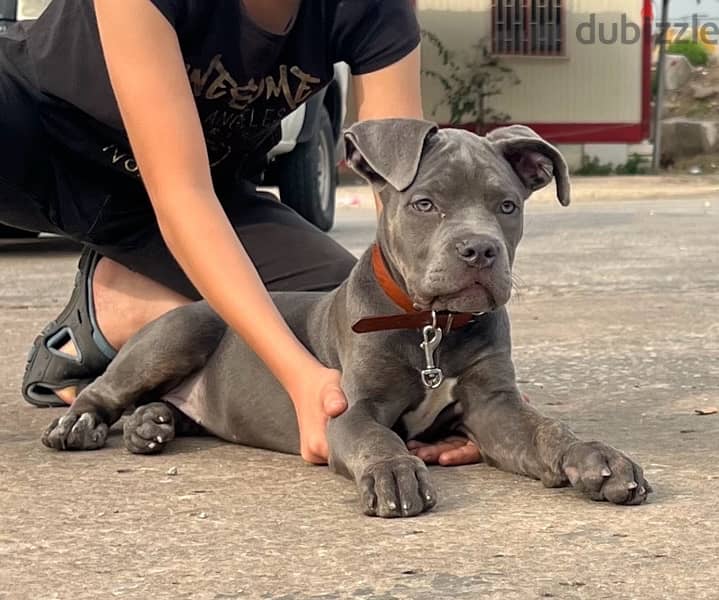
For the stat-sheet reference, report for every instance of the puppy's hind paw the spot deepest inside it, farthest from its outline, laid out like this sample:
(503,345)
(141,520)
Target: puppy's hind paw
(149,429)
(76,431)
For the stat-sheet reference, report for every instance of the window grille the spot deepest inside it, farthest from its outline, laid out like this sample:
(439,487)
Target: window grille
(528,27)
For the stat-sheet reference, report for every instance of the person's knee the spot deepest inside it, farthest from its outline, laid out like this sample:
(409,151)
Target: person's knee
(339,270)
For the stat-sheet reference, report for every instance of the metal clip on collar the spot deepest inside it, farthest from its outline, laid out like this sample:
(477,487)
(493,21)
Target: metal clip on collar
(432,376)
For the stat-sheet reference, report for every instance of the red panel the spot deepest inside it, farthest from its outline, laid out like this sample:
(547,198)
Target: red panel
(647,46)
(585,133)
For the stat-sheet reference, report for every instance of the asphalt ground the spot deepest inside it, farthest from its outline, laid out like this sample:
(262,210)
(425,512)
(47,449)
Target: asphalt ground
(616,331)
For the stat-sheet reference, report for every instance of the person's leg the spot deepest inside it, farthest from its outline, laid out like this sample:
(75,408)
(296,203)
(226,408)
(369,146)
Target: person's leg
(119,291)
(28,191)
(132,286)
(124,302)
(26,177)
(289,253)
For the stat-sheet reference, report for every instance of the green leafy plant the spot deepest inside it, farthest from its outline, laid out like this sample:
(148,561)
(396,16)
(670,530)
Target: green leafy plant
(592,166)
(469,80)
(635,165)
(696,54)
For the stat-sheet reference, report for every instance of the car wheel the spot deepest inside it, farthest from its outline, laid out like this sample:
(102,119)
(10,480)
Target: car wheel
(7,232)
(307,176)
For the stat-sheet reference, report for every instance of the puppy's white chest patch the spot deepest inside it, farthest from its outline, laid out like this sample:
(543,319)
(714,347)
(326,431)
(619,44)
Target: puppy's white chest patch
(435,401)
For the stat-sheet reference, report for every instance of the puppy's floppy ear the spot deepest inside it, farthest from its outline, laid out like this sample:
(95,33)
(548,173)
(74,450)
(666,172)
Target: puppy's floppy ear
(387,151)
(534,159)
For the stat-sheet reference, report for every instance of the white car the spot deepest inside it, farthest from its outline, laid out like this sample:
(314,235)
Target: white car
(303,165)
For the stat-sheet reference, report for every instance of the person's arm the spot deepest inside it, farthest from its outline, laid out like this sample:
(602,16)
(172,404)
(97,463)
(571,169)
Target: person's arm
(392,92)
(153,92)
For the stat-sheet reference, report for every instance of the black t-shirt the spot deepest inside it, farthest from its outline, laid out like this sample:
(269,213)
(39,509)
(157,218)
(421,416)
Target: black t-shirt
(245,79)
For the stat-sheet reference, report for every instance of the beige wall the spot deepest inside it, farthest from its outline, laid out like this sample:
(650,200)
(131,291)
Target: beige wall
(593,83)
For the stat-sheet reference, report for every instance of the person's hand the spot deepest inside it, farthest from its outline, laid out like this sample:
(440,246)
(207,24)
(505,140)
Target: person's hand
(450,452)
(317,398)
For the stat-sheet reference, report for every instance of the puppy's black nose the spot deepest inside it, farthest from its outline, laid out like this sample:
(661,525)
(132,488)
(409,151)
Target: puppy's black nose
(480,252)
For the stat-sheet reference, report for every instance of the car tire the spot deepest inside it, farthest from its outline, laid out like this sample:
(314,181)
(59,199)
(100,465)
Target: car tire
(10,233)
(307,176)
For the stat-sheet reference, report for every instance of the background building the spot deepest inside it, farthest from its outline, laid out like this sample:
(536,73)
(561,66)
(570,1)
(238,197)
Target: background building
(584,67)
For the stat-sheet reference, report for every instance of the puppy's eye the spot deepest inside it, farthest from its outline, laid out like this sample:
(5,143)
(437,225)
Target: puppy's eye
(508,207)
(424,205)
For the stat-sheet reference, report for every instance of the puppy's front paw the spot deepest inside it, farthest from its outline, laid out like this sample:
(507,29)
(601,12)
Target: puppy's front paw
(605,473)
(397,487)
(76,431)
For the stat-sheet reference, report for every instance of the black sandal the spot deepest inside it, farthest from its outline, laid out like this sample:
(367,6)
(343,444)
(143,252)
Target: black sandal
(48,367)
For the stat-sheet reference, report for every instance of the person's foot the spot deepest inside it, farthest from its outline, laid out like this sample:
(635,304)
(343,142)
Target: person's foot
(100,294)
(115,292)
(451,452)
(67,395)
(71,350)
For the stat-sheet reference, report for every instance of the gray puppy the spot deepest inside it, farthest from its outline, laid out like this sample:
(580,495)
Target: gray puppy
(429,299)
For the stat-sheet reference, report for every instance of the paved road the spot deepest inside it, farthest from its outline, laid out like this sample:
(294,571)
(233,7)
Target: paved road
(616,331)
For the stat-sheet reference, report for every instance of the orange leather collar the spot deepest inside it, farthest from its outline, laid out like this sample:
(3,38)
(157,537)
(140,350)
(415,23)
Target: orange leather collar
(412,318)
(388,284)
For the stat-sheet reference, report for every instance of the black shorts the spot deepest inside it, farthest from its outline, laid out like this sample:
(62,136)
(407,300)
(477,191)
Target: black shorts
(44,190)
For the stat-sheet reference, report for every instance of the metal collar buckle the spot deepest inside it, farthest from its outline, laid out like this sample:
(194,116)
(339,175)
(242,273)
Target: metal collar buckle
(432,376)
